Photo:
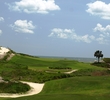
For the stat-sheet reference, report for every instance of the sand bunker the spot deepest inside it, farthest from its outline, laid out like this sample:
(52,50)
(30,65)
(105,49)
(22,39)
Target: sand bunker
(35,89)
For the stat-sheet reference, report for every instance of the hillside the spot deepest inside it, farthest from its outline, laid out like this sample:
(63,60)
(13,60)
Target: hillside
(63,78)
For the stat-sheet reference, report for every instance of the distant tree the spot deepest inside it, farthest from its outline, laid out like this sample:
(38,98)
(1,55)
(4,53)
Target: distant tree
(98,54)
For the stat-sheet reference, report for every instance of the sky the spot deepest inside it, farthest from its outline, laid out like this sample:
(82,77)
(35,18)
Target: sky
(67,28)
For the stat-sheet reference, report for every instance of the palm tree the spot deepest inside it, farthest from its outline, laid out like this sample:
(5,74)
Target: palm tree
(98,54)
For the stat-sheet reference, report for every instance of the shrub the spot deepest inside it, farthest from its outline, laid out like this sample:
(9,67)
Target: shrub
(13,87)
(107,60)
(101,64)
(59,67)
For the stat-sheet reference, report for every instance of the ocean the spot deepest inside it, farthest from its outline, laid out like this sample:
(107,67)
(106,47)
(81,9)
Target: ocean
(80,59)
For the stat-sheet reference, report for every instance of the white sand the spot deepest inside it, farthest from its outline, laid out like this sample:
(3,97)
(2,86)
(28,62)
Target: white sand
(3,50)
(71,71)
(35,89)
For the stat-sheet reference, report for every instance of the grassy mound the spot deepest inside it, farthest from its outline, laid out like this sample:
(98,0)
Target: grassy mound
(79,85)
(13,87)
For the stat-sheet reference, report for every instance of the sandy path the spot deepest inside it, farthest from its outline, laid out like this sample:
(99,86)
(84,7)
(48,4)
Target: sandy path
(35,89)
(71,71)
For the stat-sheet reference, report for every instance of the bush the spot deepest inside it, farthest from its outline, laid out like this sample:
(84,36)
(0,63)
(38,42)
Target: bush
(101,64)
(59,67)
(13,87)
(107,60)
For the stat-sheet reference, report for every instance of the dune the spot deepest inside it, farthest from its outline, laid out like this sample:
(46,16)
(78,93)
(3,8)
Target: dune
(3,50)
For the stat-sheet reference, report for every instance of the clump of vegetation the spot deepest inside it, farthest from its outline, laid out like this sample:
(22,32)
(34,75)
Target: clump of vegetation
(101,64)
(13,87)
(33,76)
(59,67)
(107,60)
(91,72)
(98,54)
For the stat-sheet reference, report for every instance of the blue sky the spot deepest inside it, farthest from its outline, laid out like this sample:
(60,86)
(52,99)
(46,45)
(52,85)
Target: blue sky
(67,28)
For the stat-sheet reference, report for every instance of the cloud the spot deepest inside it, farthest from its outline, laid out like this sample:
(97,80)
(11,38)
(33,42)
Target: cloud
(70,34)
(102,29)
(99,8)
(1,19)
(104,33)
(101,39)
(23,26)
(34,6)
(0,32)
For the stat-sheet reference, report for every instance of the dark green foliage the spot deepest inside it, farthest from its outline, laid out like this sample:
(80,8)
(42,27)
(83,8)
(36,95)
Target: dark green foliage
(107,60)
(90,72)
(98,54)
(13,87)
(101,64)
(59,67)
(30,75)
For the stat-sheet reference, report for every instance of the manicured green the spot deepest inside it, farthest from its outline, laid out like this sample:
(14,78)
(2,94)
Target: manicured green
(87,85)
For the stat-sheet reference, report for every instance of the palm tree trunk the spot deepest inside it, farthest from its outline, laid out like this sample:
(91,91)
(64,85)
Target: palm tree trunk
(98,59)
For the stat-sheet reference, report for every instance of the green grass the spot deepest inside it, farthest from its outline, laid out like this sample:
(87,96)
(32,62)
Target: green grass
(35,69)
(62,97)
(45,63)
(75,88)
(79,85)
(88,83)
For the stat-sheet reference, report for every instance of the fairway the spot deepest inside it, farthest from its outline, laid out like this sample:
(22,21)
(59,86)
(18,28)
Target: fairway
(88,81)
(79,85)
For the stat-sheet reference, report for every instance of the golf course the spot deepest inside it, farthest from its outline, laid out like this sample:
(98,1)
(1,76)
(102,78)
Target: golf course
(61,78)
